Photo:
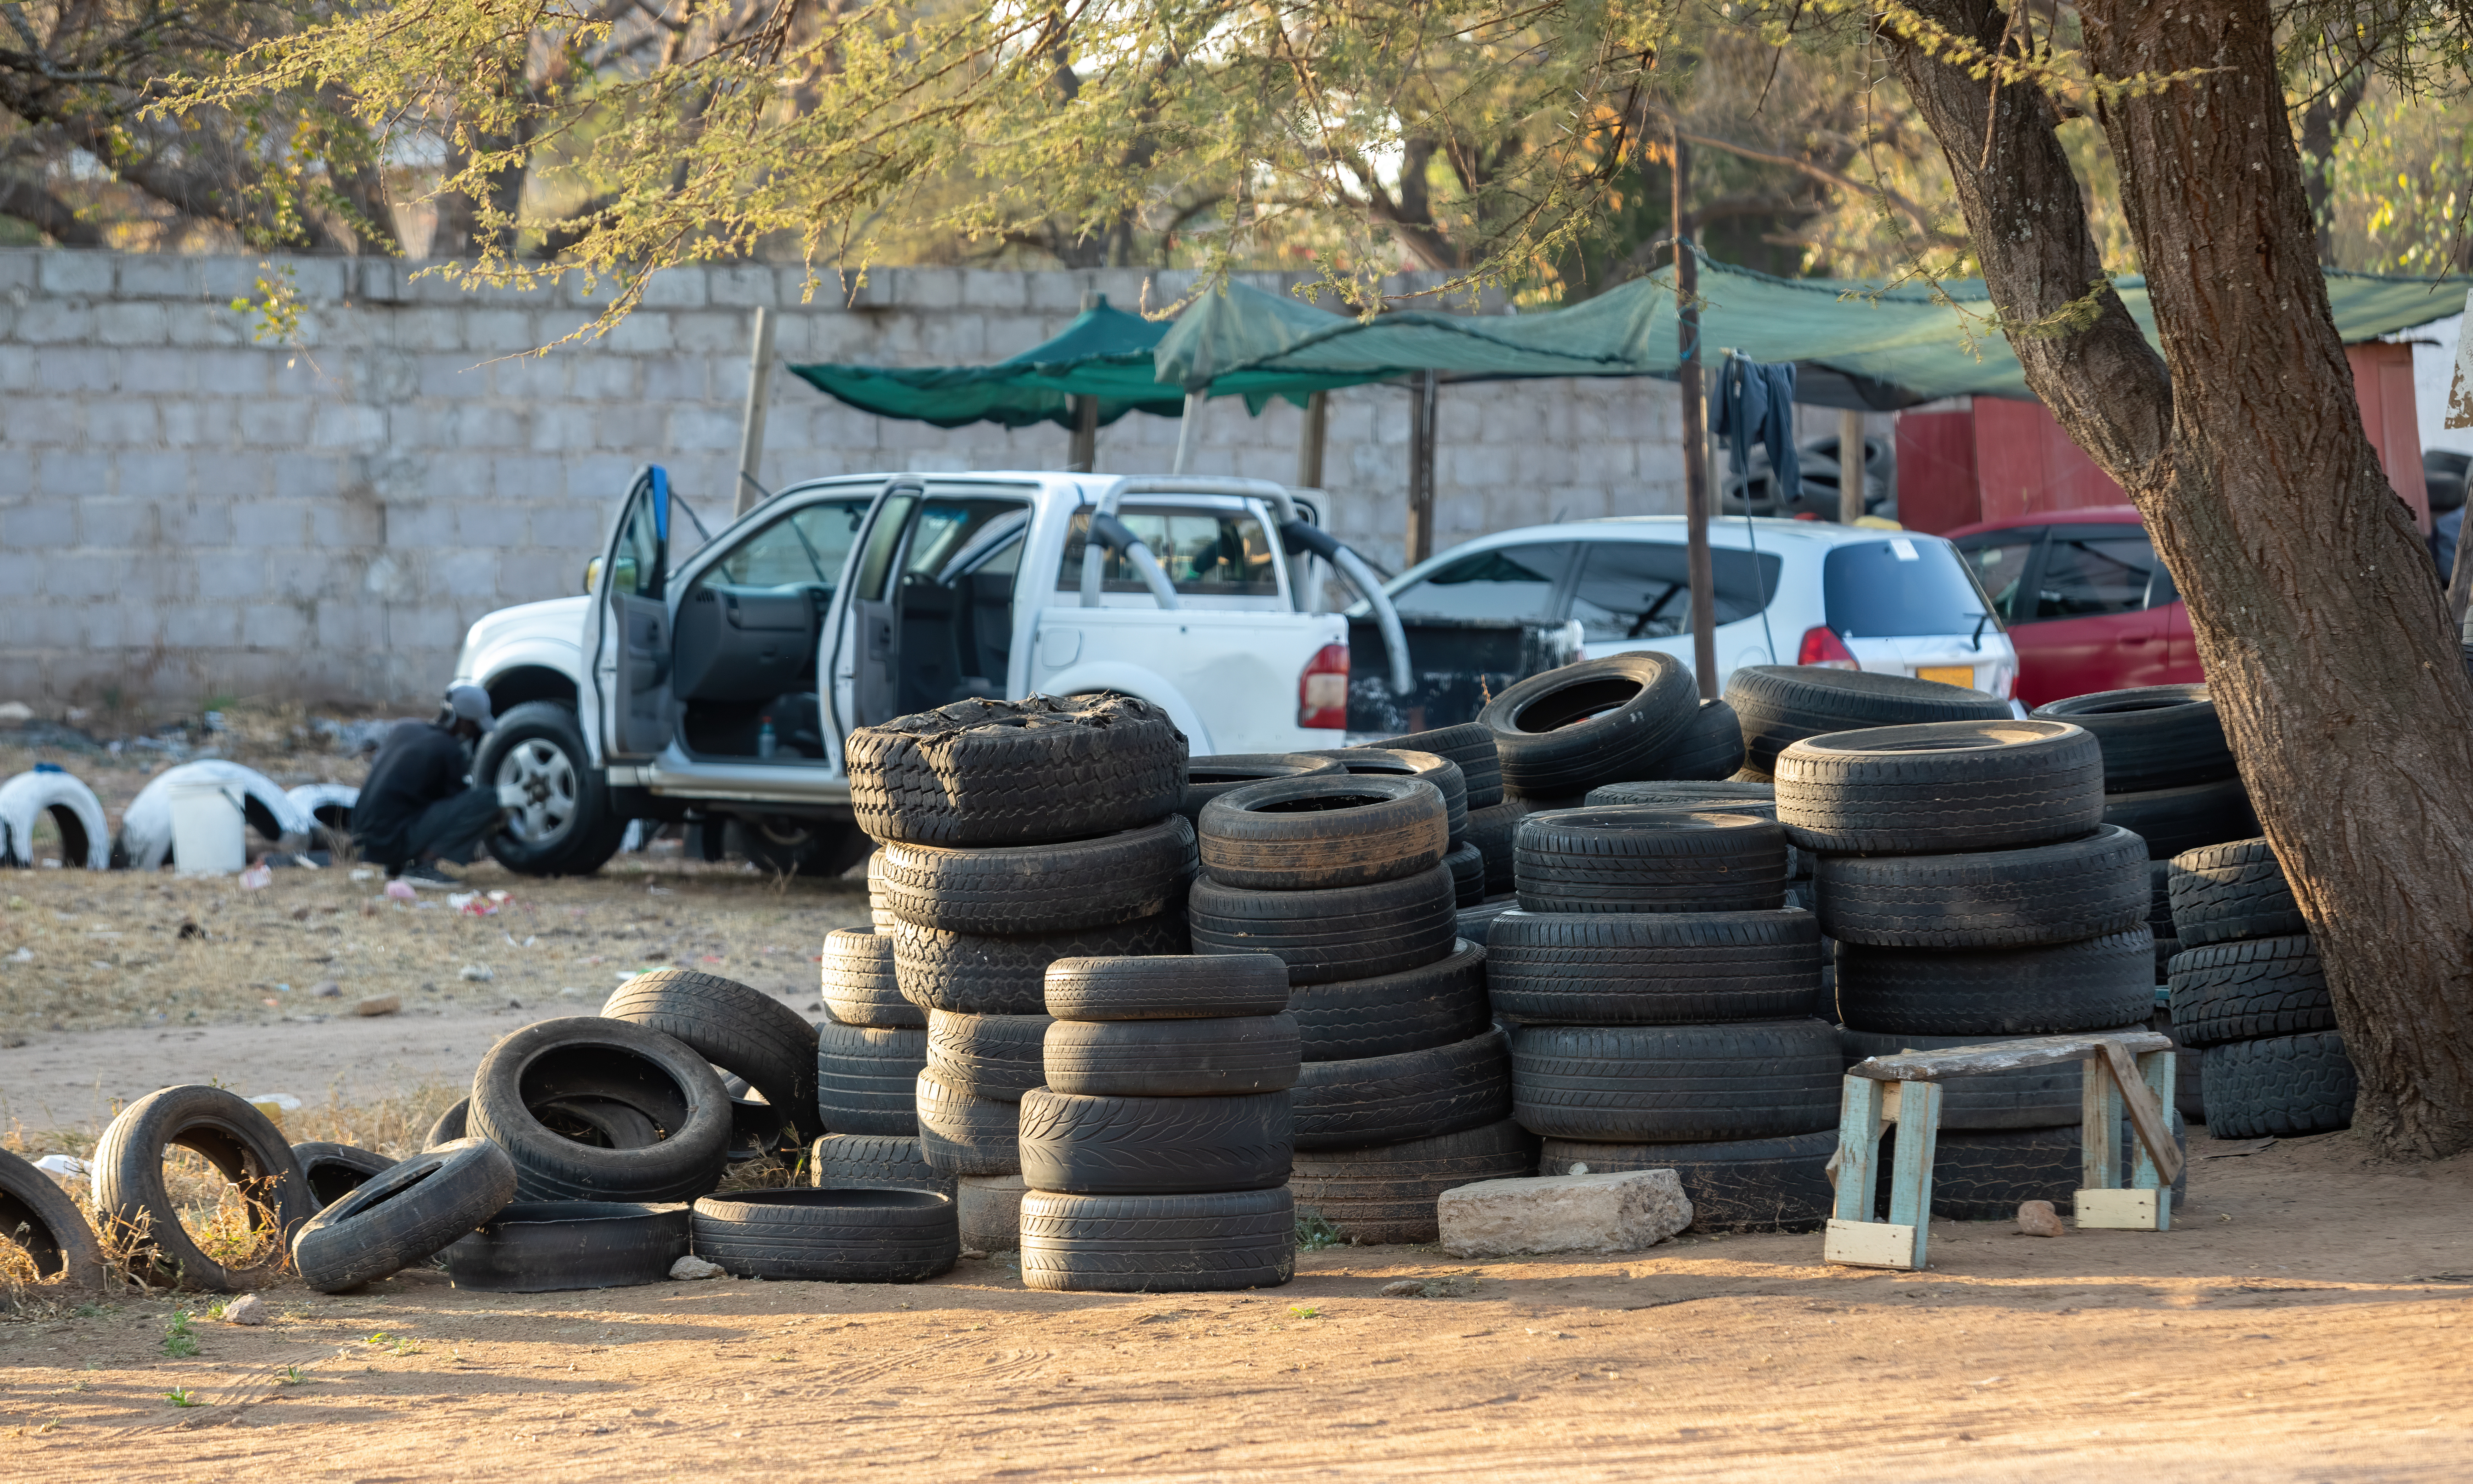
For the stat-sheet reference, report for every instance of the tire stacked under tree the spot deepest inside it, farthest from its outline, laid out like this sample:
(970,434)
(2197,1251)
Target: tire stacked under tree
(1779,705)
(1012,835)
(2169,775)
(2247,991)
(1156,1152)
(1406,1085)
(1665,1002)
(1975,896)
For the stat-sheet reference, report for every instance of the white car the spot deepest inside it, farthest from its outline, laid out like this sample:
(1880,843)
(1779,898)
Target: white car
(1788,592)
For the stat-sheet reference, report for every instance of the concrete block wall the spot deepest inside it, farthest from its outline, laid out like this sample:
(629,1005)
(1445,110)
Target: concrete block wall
(187,511)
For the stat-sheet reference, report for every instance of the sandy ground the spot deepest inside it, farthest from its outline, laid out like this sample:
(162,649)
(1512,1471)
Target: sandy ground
(2310,1318)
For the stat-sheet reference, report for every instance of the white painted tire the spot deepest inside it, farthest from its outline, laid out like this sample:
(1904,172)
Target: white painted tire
(310,798)
(146,830)
(85,838)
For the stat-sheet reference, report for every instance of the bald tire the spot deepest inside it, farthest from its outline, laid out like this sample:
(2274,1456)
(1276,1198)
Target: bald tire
(962,1134)
(1743,1184)
(1154,1146)
(1410,1094)
(2047,990)
(1468,745)
(1208,778)
(1599,721)
(734,1027)
(1384,760)
(48,1225)
(1167,987)
(1638,1084)
(1653,967)
(1434,1004)
(2042,893)
(1386,1193)
(1778,705)
(859,986)
(1345,932)
(1186,1058)
(1306,834)
(1647,859)
(1214,1241)
(134,1201)
(867,1078)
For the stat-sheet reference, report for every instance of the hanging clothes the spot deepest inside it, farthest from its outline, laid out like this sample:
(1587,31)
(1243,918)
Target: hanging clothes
(1755,404)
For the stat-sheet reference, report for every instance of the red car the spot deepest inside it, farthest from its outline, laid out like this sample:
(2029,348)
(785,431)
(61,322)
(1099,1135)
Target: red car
(2085,599)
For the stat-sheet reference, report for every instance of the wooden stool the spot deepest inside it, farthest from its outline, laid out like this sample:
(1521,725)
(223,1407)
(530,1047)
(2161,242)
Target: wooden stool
(2128,1071)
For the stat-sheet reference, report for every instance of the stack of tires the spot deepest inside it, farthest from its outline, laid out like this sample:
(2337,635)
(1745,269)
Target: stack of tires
(1012,835)
(2248,993)
(1461,761)
(1405,1085)
(870,1049)
(1780,705)
(1975,896)
(1665,999)
(1157,1148)
(2169,775)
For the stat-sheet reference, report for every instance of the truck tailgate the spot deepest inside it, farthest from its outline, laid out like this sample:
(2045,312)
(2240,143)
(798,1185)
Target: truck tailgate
(1234,673)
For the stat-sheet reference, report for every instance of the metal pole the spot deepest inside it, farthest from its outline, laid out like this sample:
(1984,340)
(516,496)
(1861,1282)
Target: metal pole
(1852,487)
(1421,468)
(1310,443)
(751,426)
(1185,437)
(1695,436)
(1084,457)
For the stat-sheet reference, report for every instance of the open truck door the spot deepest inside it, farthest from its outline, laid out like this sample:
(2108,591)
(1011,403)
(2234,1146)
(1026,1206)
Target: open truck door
(630,640)
(862,665)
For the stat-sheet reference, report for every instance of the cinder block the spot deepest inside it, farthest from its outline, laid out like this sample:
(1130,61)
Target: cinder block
(232,575)
(230,476)
(317,279)
(74,474)
(271,524)
(64,369)
(348,426)
(116,521)
(1056,293)
(76,271)
(496,333)
(222,280)
(704,427)
(18,267)
(594,375)
(282,423)
(347,522)
(195,626)
(39,526)
(151,474)
(18,367)
(464,574)
(121,422)
(676,288)
(191,527)
(273,626)
(132,325)
(742,285)
(533,378)
(203,324)
(446,476)
(715,332)
(382,280)
(427,327)
(39,420)
(56,321)
(81,576)
(199,425)
(643,332)
(555,428)
(994,289)
(599,479)
(159,372)
(20,571)
(517,480)
(481,425)
(308,476)
(677,378)
(565,526)
(496,525)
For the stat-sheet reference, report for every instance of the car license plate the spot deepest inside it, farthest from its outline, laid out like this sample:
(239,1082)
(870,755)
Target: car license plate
(1947,674)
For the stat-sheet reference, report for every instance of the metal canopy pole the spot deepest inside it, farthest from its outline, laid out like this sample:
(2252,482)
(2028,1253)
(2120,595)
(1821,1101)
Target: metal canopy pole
(1696,439)
(751,426)
(1083,456)
(1185,436)
(1310,443)
(1852,486)
(1421,468)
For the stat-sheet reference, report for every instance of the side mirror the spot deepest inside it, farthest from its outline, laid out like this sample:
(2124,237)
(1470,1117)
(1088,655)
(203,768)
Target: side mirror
(591,574)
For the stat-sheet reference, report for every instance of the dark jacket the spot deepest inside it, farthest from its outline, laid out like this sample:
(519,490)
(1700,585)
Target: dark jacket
(419,764)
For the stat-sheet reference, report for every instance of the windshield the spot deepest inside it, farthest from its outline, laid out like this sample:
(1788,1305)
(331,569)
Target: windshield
(1904,586)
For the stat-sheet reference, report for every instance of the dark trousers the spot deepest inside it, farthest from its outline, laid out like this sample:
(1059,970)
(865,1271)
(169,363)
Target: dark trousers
(452,829)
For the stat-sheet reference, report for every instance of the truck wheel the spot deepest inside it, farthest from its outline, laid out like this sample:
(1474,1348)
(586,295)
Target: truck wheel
(568,827)
(788,846)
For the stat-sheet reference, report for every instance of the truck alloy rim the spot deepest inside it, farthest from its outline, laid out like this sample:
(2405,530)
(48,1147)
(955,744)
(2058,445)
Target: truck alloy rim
(545,773)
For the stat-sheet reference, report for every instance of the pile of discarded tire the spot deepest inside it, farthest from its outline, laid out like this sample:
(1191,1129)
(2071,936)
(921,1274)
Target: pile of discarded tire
(1780,705)
(1404,1088)
(2169,775)
(2246,989)
(1975,896)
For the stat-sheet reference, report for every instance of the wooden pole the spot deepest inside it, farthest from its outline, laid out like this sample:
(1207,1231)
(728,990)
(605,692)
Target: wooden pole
(1421,468)
(751,425)
(1310,443)
(1695,436)
(1084,458)
(1852,488)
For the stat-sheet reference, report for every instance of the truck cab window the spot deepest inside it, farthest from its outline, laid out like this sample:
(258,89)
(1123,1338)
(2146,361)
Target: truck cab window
(1206,553)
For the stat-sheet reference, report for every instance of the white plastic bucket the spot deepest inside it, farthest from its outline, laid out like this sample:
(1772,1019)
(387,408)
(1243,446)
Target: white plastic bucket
(208,831)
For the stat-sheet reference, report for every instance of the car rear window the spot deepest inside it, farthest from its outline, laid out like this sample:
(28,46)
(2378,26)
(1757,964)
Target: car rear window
(1902,587)
(1641,590)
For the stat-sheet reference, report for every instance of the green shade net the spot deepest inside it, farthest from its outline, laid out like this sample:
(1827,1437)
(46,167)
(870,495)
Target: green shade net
(1105,354)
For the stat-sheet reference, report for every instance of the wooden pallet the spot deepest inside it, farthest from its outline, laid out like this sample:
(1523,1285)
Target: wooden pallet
(2128,1072)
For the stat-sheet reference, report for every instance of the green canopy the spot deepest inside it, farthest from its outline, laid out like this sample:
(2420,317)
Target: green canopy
(1105,354)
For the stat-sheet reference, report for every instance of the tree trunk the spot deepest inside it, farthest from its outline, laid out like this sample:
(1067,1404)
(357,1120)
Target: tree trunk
(2322,631)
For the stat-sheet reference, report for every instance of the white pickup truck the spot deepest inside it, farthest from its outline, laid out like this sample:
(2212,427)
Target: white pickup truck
(718,688)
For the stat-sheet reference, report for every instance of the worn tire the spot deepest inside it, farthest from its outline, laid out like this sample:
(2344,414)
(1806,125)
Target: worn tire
(982,973)
(1709,747)
(136,1204)
(1599,721)
(1467,864)
(332,1171)
(2152,736)
(2083,986)
(867,1078)
(734,1027)
(1017,772)
(1495,831)
(1347,932)
(1408,1094)
(1312,834)
(1198,1243)
(2176,821)
(2250,990)
(1388,1194)
(43,1220)
(591,833)
(1208,778)
(990,1209)
(873,1162)
(2031,1097)
(1391,763)
(1744,1184)
(1477,923)
(584,1057)
(556,1246)
(858,984)
(1986,1173)
(829,1236)
(1186,1058)
(1154,1146)
(2042,893)
(1948,786)
(1434,1004)
(2221,893)
(405,1214)
(1049,888)
(1674,1083)
(450,1126)
(1468,745)
(1634,860)
(1653,969)
(1778,705)
(1684,794)
(962,1134)
(1167,987)
(986,1056)
(2280,1085)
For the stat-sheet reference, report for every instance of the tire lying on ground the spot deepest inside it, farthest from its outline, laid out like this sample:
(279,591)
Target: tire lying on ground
(858,984)
(2174,821)
(1600,721)
(1781,705)
(1376,762)
(136,1205)
(1186,1058)
(1650,969)
(1434,1004)
(2153,736)
(1468,745)
(2044,894)
(1054,886)
(1154,1146)
(334,1171)
(1675,1083)
(40,1217)
(965,1134)
(977,973)
(867,1077)
(1388,1194)
(1410,1094)
(405,1214)
(450,1126)
(1347,932)
(1946,786)
(552,1246)
(986,1056)
(2235,890)
(1307,834)
(2031,1097)
(2280,1085)
(2250,990)
(2047,990)
(1157,1243)
(1631,860)
(870,1161)
(833,1236)
(1166,987)
(734,1027)
(1017,772)
(635,1065)
(1208,778)
(1744,1184)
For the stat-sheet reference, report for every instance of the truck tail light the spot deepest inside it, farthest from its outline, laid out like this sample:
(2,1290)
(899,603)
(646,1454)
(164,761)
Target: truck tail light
(1322,690)
(1823,647)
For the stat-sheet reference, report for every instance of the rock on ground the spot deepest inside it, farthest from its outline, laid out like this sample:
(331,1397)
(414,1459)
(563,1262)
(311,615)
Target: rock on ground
(1618,1212)
(692,1267)
(2037,1218)
(246,1309)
